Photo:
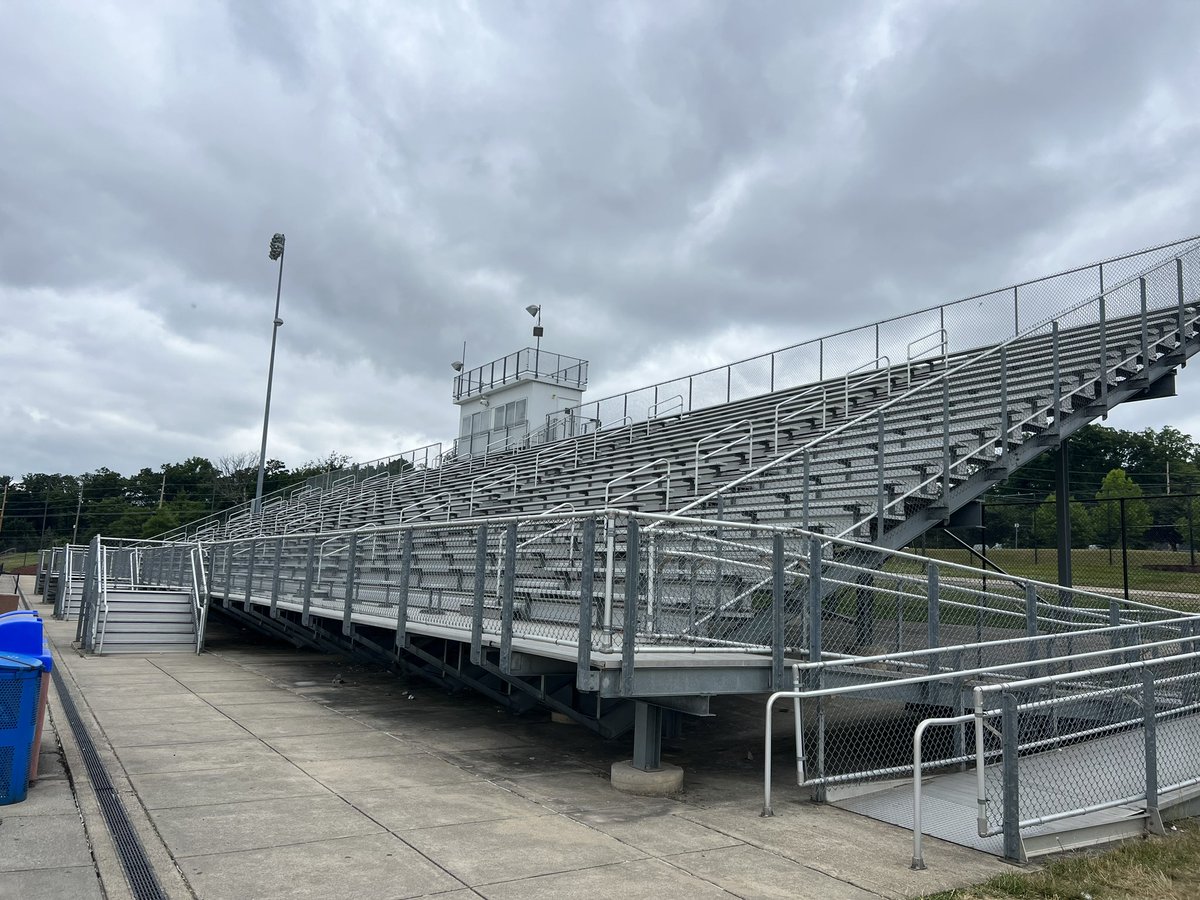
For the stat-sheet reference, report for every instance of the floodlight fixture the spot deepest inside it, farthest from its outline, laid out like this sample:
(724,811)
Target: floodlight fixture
(457,365)
(533,309)
(275,253)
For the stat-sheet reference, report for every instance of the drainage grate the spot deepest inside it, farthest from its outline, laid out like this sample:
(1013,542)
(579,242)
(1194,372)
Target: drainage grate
(142,880)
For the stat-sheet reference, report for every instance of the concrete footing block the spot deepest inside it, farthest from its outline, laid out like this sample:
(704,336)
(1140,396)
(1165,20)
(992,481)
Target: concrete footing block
(660,783)
(561,718)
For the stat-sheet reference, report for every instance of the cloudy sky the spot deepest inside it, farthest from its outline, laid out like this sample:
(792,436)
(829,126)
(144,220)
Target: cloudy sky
(678,184)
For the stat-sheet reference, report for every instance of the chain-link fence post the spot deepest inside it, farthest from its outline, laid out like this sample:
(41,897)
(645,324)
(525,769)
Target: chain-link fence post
(275,577)
(933,608)
(227,595)
(1124,550)
(310,562)
(1150,720)
(250,570)
(629,642)
(1010,742)
(583,665)
(406,553)
(777,594)
(508,583)
(348,609)
(814,600)
(481,538)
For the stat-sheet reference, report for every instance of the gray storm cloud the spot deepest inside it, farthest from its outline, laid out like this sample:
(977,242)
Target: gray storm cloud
(674,182)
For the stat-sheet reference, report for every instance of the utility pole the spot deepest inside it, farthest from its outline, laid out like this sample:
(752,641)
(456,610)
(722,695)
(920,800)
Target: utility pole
(4,503)
(162,491)
(78,510)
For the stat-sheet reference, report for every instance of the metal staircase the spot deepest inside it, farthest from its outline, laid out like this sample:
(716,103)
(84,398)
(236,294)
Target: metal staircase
(147,621)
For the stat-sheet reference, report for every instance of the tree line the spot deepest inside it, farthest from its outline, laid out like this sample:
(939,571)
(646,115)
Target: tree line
(47,510)
(1158,472)
(1153,474)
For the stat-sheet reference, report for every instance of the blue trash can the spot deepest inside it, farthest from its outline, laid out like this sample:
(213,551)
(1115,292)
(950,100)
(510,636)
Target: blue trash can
(22,632)
(20,685)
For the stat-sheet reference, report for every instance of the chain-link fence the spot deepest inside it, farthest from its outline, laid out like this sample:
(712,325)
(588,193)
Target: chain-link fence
(966,324)
(1140,547)
(1131,731)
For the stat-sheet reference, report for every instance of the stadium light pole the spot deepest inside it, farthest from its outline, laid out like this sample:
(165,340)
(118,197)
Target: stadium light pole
(276,252)
(535,310)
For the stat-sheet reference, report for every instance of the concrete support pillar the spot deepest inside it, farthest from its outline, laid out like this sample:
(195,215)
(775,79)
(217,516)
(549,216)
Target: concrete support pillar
(646,773)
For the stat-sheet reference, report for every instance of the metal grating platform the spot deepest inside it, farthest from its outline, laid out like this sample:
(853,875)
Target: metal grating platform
(950,803)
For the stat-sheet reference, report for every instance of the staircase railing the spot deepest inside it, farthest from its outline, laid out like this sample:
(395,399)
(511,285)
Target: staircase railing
(926,388)
(199,594)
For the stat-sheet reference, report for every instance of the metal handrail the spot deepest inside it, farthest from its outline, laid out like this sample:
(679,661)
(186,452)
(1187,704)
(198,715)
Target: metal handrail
(444,505)
(928,385)
(885,371)
(748,438)
(201,581)
(608,501)
(1038,416)
(943,344)
(498,481)
(655,410)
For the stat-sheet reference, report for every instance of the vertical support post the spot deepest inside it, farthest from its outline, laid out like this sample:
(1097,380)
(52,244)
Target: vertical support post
(728,383)
(629,641)
(1054,356)
(610,555)
(225,596)
(481,538)
(777,594)
(880,503)
(348,609)
(814,600)
(406,554)
(647,737)
(1145,333)
(310,562)
(1062,498)
(583,662)
(1149,727)
(507,587)
(1011,770)
(1016,313)
(1004,415)
(250,570)
(819,791)
(275,577)
(933,607)
(1180,320)
(946,443)
(1103,345)
(1124,551)
(806,476)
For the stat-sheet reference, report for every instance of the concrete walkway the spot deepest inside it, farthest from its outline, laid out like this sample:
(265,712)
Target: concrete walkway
(256,770)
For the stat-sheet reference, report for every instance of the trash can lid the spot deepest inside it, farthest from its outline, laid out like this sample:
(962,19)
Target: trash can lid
(19,662)
(21,612)
(24,634)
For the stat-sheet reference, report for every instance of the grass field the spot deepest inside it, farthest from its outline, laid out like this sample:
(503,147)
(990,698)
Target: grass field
(12,560)
(1165,867)
(1091,568)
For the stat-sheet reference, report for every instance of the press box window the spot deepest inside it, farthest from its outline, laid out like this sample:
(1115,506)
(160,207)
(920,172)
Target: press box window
(510,414)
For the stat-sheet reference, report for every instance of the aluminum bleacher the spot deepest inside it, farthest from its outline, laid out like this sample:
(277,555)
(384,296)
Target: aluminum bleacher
(639,554)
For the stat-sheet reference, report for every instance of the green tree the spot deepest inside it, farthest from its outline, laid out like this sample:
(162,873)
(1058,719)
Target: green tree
(1045,523)
(1119,486)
